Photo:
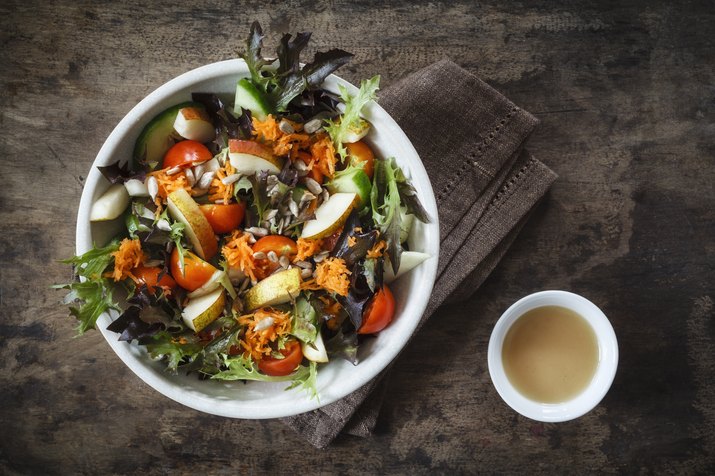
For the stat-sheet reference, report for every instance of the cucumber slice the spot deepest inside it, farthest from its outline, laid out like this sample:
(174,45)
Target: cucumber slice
(249,97)
(158,136)
(352,179)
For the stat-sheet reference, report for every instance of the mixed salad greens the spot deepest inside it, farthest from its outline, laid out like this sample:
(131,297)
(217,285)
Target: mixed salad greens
(260,238)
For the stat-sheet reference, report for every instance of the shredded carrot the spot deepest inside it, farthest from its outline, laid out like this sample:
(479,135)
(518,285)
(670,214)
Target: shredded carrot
(323,151)
(219,190)
(290,144)
(258,343)
(127,257)
(238,253)
(310,285)
(307,248)
(351,241)
(267,130)
(170,183)
(377,250)
(332,275)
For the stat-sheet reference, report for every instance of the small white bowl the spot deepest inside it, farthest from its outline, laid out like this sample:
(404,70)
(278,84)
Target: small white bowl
(336,379)
(601,381)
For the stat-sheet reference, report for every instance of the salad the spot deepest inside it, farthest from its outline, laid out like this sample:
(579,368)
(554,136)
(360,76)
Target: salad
(261,232)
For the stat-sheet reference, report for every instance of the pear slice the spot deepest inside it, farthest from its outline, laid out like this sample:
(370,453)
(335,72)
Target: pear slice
(249,157)
(193,123)
(213,282)
(278,288)
(183,208)
(315,351)
(203,310)
(136,188)
(408,261)
(111,204)
(330,216)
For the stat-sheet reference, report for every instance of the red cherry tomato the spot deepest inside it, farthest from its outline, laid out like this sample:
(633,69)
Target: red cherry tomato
(148,275)
(292,357)
(224,218)
(196,271)
(359,152)
(379,312)
(280,245)
(186,153)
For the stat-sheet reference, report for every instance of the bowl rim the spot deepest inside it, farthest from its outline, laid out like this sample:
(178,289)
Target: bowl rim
(603,377)
(138,116)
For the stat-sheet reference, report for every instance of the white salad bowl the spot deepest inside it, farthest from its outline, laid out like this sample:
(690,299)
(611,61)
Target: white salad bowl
(336,379)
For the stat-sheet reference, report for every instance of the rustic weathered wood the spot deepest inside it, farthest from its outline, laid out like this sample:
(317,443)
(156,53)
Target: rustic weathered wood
(626,95)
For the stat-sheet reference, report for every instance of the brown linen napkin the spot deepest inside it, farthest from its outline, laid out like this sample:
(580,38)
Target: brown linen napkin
(470,139)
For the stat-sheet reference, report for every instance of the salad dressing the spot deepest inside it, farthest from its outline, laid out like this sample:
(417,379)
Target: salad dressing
(550,354)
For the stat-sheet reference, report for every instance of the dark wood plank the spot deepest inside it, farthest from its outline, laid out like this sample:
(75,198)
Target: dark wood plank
(626,98)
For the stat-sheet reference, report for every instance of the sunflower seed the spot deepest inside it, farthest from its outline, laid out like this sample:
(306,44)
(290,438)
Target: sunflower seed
(199,191)
(205,180)
(320,256)
(259,255)
(251,239)
(312,126)
(306,273)
(272,256)
(173,170)
(152,186)
(313,186)
(230,179)
(257,231)
(271,214)
(303,264)
(293,207)
(244,284)
(190,177)
(280,227)
(300,165)
(307,197)
(263,324)
(286,127)
(163,225)
(199,171)
(284,261)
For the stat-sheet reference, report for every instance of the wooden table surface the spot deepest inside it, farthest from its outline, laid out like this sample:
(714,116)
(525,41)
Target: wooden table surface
(626,99)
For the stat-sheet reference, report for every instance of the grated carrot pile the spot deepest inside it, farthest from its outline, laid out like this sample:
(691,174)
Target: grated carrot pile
(127,257)
(290,144)
(170,183)
(219,190)
(267,130)
(331,274)
(377,250)
(307,248)
(258,343)
(238,253)
(323,152)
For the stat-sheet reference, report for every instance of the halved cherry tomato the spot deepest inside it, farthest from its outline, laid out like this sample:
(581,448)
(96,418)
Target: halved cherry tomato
(360,152)
(186,153)
(379,312)
(196,271)
(292,357)
(314,173)
(224,218)
(148,275)
(280,245)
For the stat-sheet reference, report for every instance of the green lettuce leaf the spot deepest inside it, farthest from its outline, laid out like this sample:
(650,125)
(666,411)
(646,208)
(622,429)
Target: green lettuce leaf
(94,297)
(305,321)
(244,368)
(350,119)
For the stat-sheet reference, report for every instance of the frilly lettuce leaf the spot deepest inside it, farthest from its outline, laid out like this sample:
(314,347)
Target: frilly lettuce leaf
(350,119)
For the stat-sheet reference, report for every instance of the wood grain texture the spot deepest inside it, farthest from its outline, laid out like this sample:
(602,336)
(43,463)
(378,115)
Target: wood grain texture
(626,96)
